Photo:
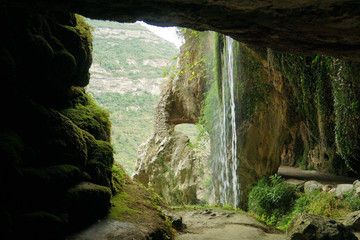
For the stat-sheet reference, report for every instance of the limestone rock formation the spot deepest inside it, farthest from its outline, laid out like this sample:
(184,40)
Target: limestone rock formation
(310,226)
(306,26)
(352,221)
(166,162)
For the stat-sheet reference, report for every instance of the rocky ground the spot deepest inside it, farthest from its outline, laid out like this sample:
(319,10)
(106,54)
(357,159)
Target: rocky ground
(198,224)
(218,224)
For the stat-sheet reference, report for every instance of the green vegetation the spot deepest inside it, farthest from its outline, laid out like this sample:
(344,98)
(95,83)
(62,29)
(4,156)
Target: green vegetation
(131,51)
(325,102)
(84,28)
(312,94)
(123,48)
(136,204)
(131,117)
(249,73)
(346,88)
(272,199)
(277,202)
(88,115)
(120,210)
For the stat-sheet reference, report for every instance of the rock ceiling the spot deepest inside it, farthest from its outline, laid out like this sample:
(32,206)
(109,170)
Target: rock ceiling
(330,27)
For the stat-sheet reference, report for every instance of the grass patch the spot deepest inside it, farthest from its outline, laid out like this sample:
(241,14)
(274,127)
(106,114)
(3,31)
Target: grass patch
(186,207)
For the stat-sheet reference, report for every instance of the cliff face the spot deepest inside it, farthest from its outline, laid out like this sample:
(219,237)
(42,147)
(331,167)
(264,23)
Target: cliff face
(289,109)
(324,103)
(166,161)
(128,58)
(54,141)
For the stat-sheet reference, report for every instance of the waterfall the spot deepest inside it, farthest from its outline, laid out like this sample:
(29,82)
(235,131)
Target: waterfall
(226,161)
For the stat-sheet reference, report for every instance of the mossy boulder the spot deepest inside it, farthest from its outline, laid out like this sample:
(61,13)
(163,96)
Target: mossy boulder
(46,153)
(314,227)
(52,226)
(58,177)
(51,138)
(48,53)
(87,115)
(87,202)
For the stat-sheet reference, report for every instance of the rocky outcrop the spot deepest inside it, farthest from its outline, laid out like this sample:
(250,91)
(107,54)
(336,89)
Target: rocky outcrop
(304,27)
(352,221)
(54,140)
(310,226)
(166,162)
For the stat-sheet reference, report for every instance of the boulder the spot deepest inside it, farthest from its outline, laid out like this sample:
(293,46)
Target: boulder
(295,182)
(314,227)
(352,221)
(357,191)
(312,185)
(176,220)
(356,184)
(327,188)
(86,203)
(342,189)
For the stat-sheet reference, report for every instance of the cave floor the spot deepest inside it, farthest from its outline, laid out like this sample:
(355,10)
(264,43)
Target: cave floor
(219,224)
(216,224)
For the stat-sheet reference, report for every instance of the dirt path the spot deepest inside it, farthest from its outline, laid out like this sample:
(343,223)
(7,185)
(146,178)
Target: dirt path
(218,224)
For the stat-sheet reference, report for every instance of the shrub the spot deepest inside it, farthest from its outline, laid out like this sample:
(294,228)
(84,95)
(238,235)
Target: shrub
(351,201)
(271,199)
(319,203)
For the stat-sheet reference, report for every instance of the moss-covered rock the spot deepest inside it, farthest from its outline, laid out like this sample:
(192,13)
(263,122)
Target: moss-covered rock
(54,178)
(87,202)
(46,152)
(87,115)
(48,53)
(51,138)
(52,226)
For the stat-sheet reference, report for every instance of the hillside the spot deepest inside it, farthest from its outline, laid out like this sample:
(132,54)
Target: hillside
(126,78)
(128,58)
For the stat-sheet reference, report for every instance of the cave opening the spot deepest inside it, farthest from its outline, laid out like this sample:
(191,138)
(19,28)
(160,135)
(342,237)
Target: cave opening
(55,140)
(127,75)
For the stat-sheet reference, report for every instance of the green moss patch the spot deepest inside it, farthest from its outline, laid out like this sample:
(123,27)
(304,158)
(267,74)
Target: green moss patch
(137,205)
(87,115)
(120,210)
(58,177)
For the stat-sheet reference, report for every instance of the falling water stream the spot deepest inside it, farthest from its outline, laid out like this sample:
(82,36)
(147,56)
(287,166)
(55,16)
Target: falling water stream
(227,160)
